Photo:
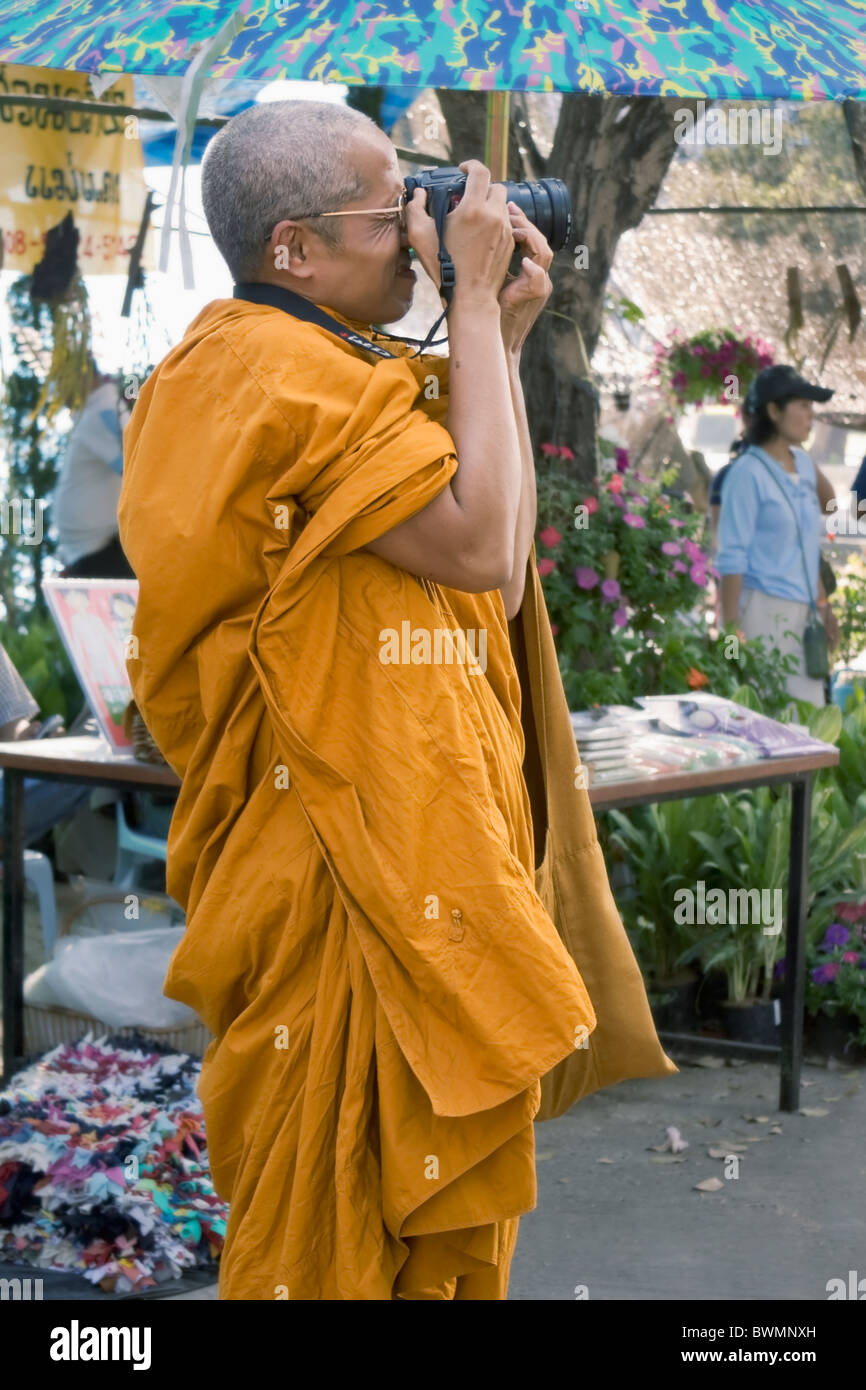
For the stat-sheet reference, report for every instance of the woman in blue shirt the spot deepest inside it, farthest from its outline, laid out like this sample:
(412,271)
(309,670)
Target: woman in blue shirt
(769,572)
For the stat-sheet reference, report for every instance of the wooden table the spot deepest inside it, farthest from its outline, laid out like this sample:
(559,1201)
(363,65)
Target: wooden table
(88,760)
(84,759)
(766,772)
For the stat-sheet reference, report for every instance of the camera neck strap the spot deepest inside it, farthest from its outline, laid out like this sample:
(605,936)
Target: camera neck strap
(277,297)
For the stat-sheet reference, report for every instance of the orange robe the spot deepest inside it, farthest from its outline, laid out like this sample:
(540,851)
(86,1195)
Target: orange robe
(353,842)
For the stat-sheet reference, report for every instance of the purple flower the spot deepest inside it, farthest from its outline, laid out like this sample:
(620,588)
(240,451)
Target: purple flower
(825,974)
(610,589)
(620,617)
(836,935)
(670,548)
(586,578)
(621,458)
(631,520)
(779,970)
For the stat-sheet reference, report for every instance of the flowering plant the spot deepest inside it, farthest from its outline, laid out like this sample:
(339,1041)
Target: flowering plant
(627,581)
(836,968)
(715,365)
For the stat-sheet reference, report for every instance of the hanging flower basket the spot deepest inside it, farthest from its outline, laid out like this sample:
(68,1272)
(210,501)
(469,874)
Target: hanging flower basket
(715,365)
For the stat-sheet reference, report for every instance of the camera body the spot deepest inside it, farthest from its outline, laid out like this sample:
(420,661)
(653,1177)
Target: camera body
(546,203)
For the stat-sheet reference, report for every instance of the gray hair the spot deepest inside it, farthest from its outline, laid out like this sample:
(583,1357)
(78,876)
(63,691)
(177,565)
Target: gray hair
(280,159)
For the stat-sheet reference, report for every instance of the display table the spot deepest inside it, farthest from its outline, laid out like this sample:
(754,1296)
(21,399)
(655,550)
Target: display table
(85,759)
(764,772)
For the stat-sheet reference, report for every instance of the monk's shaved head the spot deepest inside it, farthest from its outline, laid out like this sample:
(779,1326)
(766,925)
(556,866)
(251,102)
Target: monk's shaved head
(280,159)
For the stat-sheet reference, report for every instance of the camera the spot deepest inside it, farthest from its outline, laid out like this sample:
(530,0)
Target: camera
(546,204)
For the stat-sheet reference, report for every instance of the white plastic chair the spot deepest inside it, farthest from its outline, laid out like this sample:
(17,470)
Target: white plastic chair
(40,875)
(133,849)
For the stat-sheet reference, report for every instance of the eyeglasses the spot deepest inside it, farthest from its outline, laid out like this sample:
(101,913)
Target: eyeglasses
(397,210)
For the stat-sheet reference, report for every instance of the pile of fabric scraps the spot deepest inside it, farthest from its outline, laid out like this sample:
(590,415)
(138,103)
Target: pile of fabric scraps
(103,1166)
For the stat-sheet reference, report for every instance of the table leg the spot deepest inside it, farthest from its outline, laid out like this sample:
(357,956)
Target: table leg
(13,919)
(795,952)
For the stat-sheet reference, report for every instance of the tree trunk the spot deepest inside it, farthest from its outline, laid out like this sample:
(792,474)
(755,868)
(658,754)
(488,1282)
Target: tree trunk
(855,119)
(613,154)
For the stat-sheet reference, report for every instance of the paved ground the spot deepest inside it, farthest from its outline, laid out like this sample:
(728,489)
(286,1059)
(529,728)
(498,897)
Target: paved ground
(628,1227)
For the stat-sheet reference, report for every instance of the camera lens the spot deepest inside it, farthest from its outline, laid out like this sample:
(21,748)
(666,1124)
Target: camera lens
(547,205)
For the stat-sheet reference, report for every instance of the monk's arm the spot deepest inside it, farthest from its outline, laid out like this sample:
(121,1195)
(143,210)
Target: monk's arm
(465,538)
(512,592)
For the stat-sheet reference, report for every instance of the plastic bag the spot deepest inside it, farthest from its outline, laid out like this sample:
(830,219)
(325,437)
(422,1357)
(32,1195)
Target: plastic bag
(116,978)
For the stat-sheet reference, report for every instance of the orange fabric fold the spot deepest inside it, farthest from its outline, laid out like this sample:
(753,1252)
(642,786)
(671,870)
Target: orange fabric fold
(353,841)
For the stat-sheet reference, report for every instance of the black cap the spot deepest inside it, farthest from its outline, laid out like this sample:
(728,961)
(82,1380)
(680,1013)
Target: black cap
(782,383)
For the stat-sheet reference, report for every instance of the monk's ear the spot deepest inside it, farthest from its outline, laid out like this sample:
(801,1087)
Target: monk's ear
(288,248)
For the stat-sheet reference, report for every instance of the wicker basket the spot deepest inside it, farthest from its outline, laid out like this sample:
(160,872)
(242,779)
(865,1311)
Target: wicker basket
(143,746)
(49,1025)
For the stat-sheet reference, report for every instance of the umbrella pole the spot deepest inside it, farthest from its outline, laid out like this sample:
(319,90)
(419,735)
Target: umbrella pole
(496,142)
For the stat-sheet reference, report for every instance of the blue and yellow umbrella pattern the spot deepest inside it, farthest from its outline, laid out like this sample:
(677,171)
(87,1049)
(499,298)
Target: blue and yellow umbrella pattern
(719,49)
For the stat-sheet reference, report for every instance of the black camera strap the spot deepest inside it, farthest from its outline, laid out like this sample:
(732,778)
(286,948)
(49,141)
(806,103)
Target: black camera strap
(276,297)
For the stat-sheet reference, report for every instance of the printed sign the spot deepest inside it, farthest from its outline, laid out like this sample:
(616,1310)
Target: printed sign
(54,162)
(94,619)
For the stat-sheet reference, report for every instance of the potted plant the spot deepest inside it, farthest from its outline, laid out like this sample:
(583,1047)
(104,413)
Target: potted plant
(661,856)
(713,365)
(836,985)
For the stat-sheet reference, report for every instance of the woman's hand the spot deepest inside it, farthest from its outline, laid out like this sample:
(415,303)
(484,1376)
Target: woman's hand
(523,298)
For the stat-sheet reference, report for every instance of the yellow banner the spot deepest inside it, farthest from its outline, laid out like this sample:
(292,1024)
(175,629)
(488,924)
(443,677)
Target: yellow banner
(54,162)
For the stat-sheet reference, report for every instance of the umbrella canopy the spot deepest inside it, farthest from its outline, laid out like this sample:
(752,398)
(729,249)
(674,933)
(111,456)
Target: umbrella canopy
(720,49)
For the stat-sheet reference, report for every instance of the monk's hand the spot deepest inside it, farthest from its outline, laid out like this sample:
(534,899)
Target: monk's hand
(525,295)
(422,234)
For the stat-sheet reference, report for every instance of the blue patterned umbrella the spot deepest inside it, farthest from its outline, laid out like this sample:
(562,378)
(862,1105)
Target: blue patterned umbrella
(720,49)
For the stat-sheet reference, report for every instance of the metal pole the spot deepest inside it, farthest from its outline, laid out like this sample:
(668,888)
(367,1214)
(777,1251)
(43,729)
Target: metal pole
(795,953)
(496,142)
(13,919)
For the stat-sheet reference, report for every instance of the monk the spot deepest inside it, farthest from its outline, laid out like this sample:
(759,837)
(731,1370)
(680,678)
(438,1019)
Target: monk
(343,653)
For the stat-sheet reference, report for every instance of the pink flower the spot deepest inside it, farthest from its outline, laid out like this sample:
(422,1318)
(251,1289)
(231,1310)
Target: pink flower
(693,551)
(678,567)
(675,521)
(698,575)
(670,548)
(591,505)
(610,589)
(586,577)
(546,566)
(565,452)
(550,449)
(851,957)
(631,520)
(615,484)
(549,536)
(620,617)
